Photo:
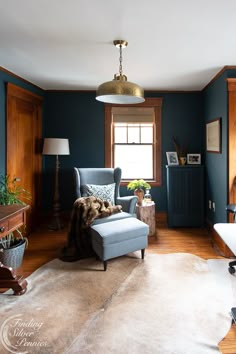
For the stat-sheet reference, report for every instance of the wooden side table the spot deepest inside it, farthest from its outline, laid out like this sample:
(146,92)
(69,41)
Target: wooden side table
(12,217)
(146,213)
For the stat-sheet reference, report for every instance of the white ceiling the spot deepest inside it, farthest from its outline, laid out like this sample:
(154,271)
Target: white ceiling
(67,44)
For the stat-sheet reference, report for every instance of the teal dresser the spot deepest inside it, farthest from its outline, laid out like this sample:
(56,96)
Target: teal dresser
(185,195)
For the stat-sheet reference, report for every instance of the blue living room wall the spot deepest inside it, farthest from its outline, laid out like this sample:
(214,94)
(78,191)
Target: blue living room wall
(4,79)
(80,118)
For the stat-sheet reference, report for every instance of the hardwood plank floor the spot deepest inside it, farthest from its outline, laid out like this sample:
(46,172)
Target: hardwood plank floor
(45,245)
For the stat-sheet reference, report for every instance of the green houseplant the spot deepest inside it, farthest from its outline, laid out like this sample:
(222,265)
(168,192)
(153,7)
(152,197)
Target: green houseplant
(12,245)
(138,186)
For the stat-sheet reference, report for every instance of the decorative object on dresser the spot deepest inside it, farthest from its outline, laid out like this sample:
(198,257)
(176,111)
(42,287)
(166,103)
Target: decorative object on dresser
(181,151)
(194,159)
(56,146)
(172,158)
(138,186)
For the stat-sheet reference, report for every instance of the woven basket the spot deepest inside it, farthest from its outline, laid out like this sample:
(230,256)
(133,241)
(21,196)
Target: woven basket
(12,257)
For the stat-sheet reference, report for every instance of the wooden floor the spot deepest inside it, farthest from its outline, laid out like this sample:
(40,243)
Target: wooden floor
(45,245)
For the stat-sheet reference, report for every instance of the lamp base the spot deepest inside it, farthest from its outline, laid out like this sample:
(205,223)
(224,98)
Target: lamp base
(56,224)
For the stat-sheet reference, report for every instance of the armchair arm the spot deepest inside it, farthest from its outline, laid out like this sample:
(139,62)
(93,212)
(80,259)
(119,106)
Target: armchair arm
(128,203)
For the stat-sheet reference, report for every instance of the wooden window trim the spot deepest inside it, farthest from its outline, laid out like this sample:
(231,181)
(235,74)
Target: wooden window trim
(155,103)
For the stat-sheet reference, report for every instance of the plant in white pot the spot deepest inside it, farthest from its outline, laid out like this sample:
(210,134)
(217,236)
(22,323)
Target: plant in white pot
(12,245)
(138,186)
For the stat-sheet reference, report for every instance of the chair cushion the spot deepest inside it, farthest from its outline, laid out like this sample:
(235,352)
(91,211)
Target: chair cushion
(104,192)
(113,217)
(119,231)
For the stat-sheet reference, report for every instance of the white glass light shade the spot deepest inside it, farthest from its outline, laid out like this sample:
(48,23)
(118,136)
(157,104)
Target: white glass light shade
(55,146)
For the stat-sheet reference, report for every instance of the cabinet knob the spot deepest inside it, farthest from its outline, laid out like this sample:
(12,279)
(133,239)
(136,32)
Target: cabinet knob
(2,229)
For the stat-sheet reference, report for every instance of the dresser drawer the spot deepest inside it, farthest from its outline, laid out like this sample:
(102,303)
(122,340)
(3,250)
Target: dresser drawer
(3,228)
(11,224)
(15,221)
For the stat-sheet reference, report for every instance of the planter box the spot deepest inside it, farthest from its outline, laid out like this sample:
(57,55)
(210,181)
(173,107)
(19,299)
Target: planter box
(13,256)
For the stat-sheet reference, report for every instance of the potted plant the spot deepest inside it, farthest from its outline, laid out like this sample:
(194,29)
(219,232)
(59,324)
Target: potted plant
(12,245)
(138,186)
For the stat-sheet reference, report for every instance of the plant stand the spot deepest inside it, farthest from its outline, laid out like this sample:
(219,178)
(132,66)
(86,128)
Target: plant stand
(146,213)
(8,279)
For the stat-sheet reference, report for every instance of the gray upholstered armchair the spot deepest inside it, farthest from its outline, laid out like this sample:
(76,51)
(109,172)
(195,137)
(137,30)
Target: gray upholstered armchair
(111,236)
(110,177)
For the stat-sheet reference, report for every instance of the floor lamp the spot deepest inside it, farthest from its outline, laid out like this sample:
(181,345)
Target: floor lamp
(54,146)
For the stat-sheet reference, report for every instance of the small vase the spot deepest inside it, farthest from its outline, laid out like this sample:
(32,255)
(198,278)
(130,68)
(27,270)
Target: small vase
(182,161)
(140,194)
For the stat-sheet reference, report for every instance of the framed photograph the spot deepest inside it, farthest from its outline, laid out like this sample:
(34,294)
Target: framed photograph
(172,158)
(194,159)
(213,136)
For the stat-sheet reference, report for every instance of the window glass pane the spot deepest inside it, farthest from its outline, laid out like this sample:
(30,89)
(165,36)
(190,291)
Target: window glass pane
(147,134)
(136,161)
(120,134)
(133,133)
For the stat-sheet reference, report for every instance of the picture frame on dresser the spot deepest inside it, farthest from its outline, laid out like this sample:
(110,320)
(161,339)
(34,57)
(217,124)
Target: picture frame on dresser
(194,159)
(172,158)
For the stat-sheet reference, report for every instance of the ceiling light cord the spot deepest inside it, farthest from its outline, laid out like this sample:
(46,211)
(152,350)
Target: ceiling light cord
(120,59)
(120,90)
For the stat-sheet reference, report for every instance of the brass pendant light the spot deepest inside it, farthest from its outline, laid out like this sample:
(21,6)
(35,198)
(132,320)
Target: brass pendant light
(119,90)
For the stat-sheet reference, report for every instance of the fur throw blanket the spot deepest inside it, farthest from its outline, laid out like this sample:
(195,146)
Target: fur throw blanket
(85,211)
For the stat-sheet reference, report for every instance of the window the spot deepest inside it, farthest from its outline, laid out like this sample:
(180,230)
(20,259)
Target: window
(133,140)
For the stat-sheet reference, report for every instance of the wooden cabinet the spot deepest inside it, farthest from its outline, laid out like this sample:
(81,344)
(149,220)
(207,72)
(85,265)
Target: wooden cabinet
(185,195)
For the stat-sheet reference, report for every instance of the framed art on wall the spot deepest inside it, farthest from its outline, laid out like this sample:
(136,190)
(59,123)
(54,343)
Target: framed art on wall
(213,136)
(172,158)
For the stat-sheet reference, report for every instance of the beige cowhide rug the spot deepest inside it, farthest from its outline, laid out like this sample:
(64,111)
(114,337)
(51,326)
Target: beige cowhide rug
(166,304)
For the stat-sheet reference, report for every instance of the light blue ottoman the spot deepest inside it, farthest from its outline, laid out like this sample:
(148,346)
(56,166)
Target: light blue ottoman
(117,238)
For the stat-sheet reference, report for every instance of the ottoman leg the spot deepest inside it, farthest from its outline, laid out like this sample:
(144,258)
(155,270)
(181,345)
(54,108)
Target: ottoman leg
(142,253)
(105,265)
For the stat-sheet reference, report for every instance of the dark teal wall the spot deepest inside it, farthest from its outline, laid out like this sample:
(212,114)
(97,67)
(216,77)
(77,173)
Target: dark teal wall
(215,103)
(80,118)
(4,78)
(215,106)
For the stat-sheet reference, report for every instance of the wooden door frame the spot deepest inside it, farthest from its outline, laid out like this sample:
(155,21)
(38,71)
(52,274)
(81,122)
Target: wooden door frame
(231,143)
